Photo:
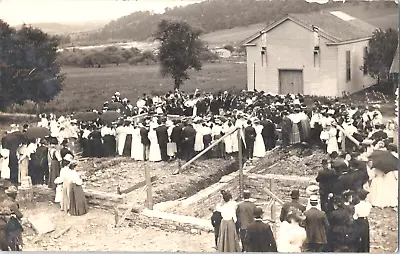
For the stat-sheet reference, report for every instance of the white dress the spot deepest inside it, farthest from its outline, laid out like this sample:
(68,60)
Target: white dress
(121,138)
(377,194)
(198,143)
(390,188)
(5,160)
(229,140)
(137,146)
(64,175)
(155,153)
(259,147)
(290,237)
(171,147)
(332,141)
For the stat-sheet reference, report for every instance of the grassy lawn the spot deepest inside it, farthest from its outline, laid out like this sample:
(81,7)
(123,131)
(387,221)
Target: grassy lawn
(89,88)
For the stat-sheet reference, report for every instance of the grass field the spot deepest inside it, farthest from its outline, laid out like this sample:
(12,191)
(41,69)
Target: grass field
(89,88)
(376,14)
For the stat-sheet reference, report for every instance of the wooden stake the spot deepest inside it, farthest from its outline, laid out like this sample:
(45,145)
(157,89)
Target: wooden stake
(273,207)
(343,143)
(240,154)
(149,191)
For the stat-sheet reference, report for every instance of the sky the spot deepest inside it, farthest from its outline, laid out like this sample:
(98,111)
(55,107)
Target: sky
(16,12)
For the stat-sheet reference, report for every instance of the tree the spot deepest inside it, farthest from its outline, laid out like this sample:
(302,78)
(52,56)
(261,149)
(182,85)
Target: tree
(29,69)
(179,50)
(381,50)
(229,47)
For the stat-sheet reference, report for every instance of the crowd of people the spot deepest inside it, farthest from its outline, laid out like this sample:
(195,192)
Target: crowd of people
(335,219)
(179,126)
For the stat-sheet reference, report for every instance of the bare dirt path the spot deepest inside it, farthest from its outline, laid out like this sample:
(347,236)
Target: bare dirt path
(95,232)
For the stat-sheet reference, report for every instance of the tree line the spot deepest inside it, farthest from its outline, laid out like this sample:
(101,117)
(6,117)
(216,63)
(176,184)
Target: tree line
(98,58)
(208,16)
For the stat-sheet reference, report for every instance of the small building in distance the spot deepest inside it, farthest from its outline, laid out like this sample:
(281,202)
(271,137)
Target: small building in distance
(221,52)
(319,53)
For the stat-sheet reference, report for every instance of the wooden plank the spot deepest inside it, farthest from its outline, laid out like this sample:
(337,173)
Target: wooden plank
(149,191)
(127,212)
(240,155)
(280,177)
(273,195)
(136,186)
(204,151)
(273,208)
(62,232)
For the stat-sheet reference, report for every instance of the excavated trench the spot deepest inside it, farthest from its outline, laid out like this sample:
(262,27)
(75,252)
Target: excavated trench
(177,191)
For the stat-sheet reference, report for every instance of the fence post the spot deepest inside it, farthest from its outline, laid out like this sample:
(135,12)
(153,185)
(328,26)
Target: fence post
(240,154)
(273,207)
(149,190)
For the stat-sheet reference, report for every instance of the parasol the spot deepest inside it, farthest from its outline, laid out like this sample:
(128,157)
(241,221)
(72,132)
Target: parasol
(86,116)
(115,106)
(385,161)
(110,116)
(13,139)
(37,132)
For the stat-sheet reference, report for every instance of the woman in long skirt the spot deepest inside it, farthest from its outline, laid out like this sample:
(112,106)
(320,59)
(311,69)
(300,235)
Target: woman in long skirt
(128,141)
(55,167)
(228,239)
(295,135)
(137,148)
(23,161)
(155,152)
(361,224)
(77,202)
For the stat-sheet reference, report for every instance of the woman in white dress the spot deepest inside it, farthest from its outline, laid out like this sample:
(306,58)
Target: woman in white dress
(332,142)
(228,239)
(5,161)
(377,197)
(23,155)
(137,146)
(198,143)
(64,184)
(171,146)
(155,152)
(391,185)
(259,147)
(291,236)
(121,132)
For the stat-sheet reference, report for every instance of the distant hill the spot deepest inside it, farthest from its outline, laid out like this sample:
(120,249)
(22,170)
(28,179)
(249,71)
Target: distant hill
(68,28)
(224,21)
(382,17)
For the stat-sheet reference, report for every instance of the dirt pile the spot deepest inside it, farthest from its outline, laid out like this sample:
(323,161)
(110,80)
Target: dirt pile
(291,161)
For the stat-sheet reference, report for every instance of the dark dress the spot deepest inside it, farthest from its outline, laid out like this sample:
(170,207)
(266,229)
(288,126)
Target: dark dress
(361,225)
(109,145)
(128,145)
(96,144)
(77,204)
(55,168)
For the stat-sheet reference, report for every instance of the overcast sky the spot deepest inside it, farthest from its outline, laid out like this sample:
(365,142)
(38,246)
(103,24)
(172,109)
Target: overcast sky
(17,12)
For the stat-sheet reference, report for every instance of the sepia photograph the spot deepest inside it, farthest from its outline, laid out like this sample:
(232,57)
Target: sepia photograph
(199,125)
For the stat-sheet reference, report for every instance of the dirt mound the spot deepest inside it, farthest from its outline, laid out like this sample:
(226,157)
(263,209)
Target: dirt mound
(299,160)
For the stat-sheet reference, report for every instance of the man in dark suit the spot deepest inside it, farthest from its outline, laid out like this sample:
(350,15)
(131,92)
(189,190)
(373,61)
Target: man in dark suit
(176,137)
(286,129)
(317,226)
(249,137)
(292,205)
(245,216)
(144,136)
(268,133)
(326,177)
(162,138)
(259,236)
(188,136)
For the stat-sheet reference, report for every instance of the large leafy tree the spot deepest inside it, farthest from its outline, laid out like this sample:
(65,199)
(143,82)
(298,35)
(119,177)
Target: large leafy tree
(179,50)
(28,66)
(381,50)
